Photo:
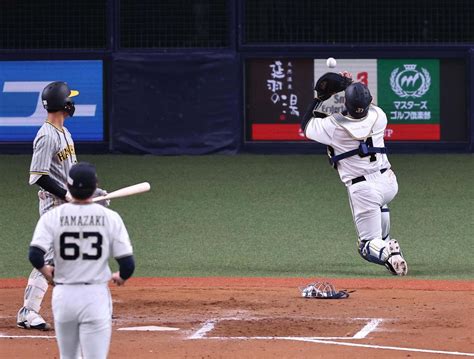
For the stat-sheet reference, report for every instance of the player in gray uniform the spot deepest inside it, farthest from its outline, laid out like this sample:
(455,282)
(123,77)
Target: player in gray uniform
(83,235)
(53,157)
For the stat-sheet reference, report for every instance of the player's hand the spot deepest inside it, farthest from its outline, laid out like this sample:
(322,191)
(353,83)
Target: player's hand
(331,83)
(48,272)
(117,279)
(346,74)
(101,192)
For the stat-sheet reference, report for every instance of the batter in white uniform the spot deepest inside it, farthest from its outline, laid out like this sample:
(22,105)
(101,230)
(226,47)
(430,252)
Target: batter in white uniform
(83,235)
(356,148)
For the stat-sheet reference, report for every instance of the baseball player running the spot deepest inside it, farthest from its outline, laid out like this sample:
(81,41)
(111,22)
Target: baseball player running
(356,148)
(83,235)
(53,156)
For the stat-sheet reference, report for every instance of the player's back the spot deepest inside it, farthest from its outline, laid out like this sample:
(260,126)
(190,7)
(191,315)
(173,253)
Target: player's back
(347,137)
(84,236)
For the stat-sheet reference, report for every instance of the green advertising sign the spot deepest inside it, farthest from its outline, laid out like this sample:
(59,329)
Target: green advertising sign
(408,90)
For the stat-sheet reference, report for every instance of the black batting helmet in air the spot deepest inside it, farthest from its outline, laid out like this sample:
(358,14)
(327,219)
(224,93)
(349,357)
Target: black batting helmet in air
(358,100)
(57,97)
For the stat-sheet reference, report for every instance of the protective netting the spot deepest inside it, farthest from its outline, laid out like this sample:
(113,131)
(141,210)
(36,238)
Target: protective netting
(174,24)
(363,21)
(53,24)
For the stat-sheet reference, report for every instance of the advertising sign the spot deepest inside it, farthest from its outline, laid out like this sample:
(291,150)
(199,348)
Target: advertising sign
(409,95)
(364,71)
(278,91)
(21,109)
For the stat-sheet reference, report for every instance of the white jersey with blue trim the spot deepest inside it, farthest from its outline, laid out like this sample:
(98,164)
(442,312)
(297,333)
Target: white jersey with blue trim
(83,237)
(345,135)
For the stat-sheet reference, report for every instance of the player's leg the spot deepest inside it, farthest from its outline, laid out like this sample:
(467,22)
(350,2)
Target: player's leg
(388,187)
(67,337)
(96,322)
(66,304)
(365,207)
(28,316)
(385,216)
(95,338)
(366,199)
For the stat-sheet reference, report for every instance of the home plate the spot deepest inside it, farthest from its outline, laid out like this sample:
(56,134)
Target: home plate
(150,328)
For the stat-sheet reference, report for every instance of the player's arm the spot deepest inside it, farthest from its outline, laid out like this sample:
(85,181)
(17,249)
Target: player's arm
(42,240)
(126,269)
(43,152)
(312,111)
(36,257)
(317,126)
(44,148)
(122,250)
(50,185)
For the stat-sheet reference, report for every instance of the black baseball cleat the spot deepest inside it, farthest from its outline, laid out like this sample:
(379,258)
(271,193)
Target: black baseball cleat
(28,319)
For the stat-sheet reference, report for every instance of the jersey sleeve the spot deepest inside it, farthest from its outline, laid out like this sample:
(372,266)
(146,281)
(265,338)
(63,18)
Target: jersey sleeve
(320,130)
(43,235)
(121,246)
(44,148)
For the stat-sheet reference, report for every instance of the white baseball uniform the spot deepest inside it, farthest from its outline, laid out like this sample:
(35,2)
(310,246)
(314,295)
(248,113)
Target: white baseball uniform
(375,184)
(83,237)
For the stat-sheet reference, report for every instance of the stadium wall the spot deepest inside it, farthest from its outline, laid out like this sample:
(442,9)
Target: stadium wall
(193,100)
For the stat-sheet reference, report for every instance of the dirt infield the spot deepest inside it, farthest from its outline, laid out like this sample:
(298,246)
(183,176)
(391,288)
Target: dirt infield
(266,318)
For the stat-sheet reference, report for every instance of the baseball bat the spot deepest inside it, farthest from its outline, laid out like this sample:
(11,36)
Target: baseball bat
(124,192)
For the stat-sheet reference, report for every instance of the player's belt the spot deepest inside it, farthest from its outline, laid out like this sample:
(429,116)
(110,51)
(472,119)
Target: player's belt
(82,283)
(362,178)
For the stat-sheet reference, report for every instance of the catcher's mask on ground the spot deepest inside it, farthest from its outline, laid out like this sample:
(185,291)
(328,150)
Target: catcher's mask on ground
(358,100)
(57,96)
(82,180)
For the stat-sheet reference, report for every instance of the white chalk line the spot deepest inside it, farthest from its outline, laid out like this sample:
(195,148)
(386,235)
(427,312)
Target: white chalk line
(385,347)
(207,327)
(27,336)
(361,334)
(210,324)
(367,329)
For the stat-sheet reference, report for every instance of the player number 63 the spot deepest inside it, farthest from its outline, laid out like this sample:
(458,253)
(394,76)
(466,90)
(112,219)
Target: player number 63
(70,250)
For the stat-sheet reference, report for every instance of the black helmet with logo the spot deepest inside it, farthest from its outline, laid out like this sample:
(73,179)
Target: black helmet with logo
(358,100)
(56,96)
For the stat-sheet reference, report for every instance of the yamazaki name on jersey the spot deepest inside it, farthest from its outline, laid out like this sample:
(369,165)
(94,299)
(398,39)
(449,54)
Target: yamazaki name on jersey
(82,221)
(66,152)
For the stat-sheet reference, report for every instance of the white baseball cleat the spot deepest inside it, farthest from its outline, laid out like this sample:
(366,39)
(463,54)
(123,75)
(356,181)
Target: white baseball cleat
(28,319)
(395,262)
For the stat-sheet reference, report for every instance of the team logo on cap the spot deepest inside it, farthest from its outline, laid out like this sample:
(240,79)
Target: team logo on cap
(410,82)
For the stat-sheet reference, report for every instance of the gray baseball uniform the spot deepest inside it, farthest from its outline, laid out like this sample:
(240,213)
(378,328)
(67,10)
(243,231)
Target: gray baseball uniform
(53,155)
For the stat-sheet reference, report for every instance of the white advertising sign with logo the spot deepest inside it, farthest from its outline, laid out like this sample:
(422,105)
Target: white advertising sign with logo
(363,70)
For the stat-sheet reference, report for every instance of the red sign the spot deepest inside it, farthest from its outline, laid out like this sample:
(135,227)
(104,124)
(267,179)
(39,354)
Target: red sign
(404,132)
(292,132)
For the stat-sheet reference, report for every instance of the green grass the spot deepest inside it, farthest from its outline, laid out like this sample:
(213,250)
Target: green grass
(262,215)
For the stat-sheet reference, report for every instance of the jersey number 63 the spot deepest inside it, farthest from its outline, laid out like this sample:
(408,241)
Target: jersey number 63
(69,250)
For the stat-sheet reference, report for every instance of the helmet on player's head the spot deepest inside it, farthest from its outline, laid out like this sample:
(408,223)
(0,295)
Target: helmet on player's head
(82,180)
(358,100)
(57,97)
